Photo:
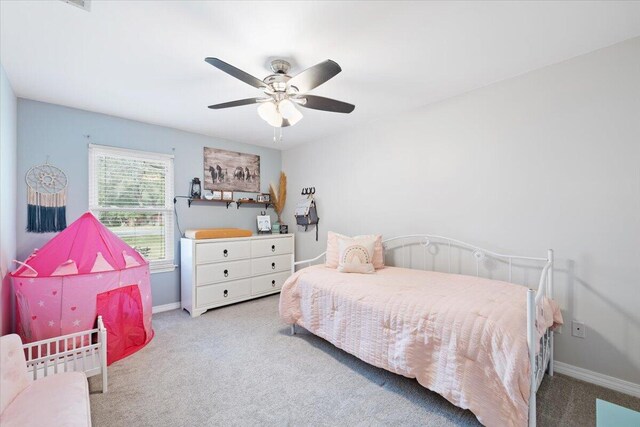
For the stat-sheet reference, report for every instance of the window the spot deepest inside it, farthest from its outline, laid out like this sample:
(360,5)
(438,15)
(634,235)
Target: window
(131,192)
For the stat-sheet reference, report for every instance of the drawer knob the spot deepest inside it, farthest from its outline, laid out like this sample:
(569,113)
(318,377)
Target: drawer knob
(225,253)
(273,248)
(273,283)
(226,293)
(226,273)
(273,265)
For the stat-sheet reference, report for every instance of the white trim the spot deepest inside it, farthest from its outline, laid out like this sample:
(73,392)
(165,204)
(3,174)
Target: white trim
(596,378)
(156,266)
(117,151)
(166,307)
(161,267)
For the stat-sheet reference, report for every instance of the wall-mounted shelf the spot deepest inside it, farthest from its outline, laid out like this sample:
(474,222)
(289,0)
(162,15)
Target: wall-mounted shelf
(227,202)
(251,202)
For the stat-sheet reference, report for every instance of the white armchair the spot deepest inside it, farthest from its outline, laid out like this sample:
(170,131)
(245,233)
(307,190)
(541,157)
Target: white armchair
(49,387)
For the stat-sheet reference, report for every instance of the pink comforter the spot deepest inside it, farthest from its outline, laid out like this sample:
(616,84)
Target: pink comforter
(463,337)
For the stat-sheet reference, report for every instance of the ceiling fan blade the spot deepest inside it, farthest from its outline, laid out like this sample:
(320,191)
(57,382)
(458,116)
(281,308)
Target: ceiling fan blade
(315,76)
(325,104)
(237,73)
(237,103)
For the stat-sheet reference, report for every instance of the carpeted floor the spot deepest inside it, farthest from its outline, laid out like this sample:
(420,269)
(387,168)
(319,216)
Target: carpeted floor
(238,365)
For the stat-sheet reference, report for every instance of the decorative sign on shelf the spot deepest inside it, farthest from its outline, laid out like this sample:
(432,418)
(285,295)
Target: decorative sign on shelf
(46,199)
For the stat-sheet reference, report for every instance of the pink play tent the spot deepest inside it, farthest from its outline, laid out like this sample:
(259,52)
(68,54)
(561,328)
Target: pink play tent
(85,271)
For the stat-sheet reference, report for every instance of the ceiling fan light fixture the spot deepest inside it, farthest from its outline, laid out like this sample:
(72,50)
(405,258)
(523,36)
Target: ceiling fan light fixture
(269,113)
(283,92)
(295,118)
(289,110)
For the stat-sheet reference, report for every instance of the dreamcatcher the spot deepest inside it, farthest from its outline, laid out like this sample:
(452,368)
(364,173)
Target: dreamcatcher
(46,198)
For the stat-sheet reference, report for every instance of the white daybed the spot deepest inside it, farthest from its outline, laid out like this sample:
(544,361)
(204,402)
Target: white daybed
(471,339)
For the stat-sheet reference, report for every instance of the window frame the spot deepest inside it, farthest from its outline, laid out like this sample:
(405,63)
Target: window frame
(166,264)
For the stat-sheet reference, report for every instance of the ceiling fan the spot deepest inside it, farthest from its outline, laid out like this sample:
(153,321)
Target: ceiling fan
(284,93)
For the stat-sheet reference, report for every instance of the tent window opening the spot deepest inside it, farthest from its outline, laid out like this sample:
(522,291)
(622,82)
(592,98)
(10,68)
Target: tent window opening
(131,193)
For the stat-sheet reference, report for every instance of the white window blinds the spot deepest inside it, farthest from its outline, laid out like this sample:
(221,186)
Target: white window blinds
(131,192)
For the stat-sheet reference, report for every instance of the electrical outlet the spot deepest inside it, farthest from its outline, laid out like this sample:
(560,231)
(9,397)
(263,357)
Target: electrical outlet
(578,329)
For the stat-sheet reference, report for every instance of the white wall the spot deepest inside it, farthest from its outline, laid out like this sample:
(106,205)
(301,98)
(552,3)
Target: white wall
(549,159)
(8,122)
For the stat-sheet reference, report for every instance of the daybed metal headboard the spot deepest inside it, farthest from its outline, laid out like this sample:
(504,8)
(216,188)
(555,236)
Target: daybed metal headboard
(479,255)
(541,360)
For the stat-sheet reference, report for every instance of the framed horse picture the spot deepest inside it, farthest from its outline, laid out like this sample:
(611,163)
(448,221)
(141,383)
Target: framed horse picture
(231,171)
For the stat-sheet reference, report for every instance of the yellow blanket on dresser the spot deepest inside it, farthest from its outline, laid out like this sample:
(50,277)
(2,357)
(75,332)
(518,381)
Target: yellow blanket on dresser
(216,233)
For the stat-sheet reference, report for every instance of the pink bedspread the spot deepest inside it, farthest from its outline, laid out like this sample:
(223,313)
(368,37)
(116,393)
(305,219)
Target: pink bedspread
(463,337)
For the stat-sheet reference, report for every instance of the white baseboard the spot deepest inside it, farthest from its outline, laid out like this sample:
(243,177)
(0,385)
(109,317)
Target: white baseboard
(165,307)
(597,379)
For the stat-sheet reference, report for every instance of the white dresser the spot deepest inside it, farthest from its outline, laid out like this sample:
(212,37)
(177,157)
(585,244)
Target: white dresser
(216,272)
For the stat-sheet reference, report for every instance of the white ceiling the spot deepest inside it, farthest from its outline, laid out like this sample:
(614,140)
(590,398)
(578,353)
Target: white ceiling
(144,60)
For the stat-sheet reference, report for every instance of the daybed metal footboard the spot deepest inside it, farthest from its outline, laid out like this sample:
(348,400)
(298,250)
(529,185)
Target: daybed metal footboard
(540,351)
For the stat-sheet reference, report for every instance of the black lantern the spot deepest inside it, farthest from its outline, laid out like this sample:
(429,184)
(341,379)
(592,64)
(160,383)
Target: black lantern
(196,189)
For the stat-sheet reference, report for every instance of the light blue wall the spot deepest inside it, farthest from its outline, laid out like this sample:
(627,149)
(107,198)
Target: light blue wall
(8,122)
(59,132)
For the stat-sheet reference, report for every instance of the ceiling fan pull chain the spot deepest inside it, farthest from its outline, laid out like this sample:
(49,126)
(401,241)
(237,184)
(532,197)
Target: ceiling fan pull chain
(276,138)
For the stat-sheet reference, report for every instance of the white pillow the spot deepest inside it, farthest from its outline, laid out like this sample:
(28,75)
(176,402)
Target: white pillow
(356,255)
(333,251)
(357,268)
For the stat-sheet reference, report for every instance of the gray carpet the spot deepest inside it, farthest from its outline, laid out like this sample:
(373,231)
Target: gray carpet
(238,365)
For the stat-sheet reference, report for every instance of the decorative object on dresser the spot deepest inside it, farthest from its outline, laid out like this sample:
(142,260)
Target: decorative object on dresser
(278,199)
(264,223)
(231,171)
(217,272)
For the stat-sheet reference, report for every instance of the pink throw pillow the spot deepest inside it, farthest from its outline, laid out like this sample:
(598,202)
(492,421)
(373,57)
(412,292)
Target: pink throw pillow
(333,252)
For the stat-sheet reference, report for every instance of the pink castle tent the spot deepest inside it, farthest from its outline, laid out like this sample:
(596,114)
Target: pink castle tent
(85,271)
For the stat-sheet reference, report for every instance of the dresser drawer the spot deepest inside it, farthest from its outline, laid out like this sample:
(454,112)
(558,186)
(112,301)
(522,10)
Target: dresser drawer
(270,264)
(268,283)
(222,251)
(269,247)
(222,272)
(218,294)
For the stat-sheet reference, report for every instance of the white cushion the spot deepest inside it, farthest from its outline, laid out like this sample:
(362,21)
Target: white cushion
(59,400)
(13,369)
